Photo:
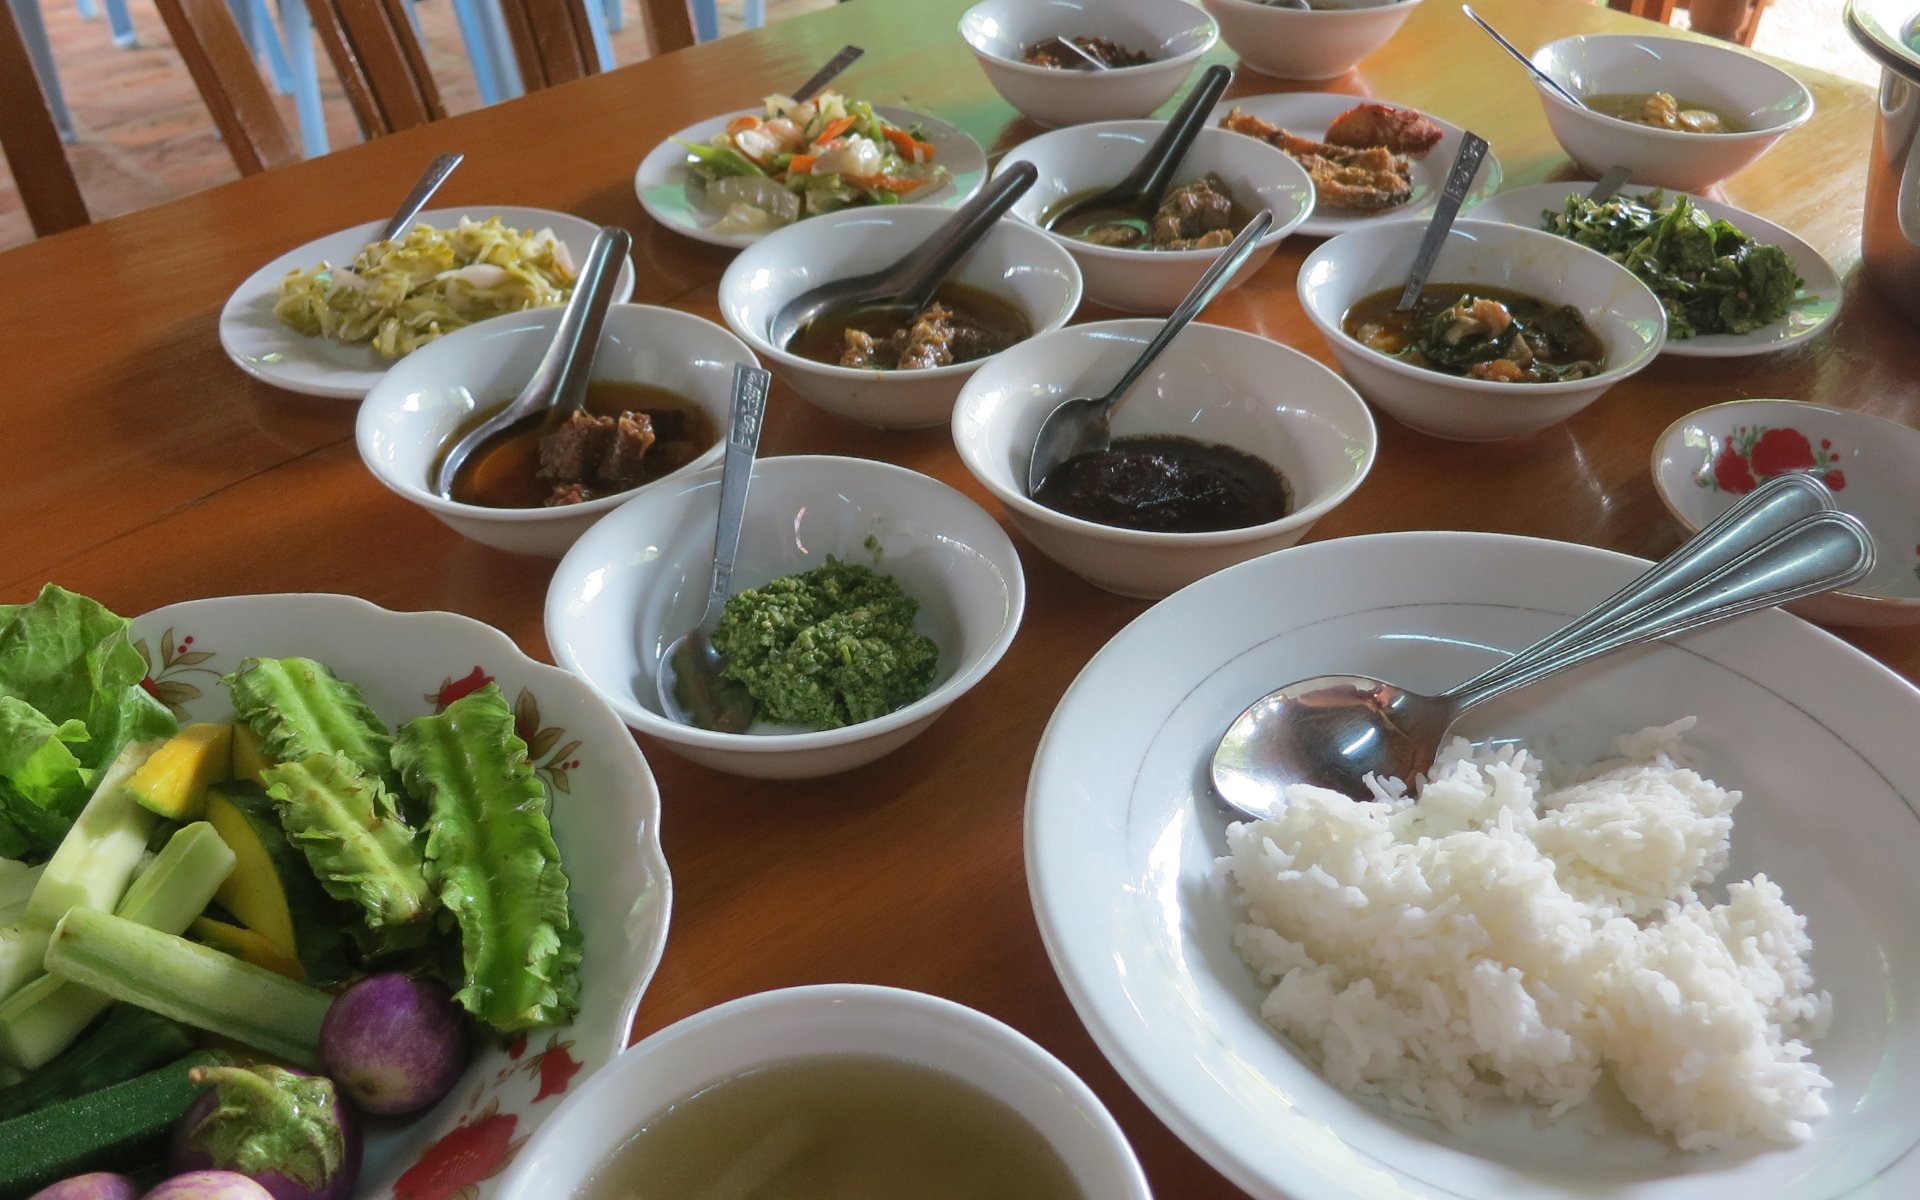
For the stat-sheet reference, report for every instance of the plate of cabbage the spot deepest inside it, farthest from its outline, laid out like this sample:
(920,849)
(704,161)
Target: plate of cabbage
(732,179)
(329,317)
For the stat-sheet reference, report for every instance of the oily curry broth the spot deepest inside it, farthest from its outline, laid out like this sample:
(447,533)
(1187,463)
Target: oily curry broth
(1558,337)
(502,473)
(1634,106)
(1139,217)
(836,1128)
(988,323)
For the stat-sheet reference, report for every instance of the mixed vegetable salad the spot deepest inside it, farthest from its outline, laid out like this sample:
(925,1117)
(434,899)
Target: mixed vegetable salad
(801,158)
(221,943)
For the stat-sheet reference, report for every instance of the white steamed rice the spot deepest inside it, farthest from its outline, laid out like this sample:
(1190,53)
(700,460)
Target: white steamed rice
(1492,940)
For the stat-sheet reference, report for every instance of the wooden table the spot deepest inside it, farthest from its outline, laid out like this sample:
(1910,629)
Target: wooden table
(147,469)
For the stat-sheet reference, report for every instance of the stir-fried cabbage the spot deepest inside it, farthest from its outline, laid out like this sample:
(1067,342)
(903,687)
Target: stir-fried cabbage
(400,295)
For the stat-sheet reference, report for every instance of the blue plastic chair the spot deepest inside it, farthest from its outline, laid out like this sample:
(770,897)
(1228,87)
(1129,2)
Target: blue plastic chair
(706,17)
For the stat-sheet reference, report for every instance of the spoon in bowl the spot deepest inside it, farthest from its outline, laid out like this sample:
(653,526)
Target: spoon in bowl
(423,190)
(1335,730)
(692,690)
(909,283)
(1526,62)
(1094,61)
(1466,164)
(1084,424)
(559,383)
(1149,179)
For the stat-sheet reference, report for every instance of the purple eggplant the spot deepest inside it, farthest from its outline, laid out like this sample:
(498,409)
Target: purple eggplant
(100,1185)
(209,1185)
(393,1043)
(289,1132)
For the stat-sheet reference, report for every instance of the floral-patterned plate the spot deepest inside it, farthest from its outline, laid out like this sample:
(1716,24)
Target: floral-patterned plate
(606,820)
(1708,459)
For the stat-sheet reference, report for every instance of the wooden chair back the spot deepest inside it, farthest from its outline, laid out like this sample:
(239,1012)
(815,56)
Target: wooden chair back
(222,68)
(381,66)
(1739,19)
(31,144)
(552,40)
(669,24)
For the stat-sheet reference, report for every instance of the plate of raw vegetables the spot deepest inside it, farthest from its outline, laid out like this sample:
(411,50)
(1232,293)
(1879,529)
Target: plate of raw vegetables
(303,898)
(732,179)
(1733,282)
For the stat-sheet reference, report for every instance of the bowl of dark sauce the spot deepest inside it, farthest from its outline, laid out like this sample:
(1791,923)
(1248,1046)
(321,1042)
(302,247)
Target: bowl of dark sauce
(1230,446)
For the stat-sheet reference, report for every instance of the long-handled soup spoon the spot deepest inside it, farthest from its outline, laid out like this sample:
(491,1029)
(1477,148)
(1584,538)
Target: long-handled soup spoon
(559,383)
(1466,164)
(1335,730)
(692,689)
(1148,181)
(423,190)
(828,73)
(1084,424)
(1526,62)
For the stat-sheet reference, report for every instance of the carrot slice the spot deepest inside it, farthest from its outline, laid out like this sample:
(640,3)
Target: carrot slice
(910,147)
(832,130)
(801,164)
(886,183)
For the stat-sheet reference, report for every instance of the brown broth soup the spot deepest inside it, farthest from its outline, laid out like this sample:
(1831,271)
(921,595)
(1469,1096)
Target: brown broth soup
(1480,332)
(1167,485)
(505,472)
(959,325)
(836,1128)
(1663,110)
(1202,214)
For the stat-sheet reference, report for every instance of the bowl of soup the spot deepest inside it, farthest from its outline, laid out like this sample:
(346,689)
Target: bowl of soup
(656,408)
(844,1090)
(885,366)
(1516,329)
(1147,46)
(1147,258)
(1679,113)
(1321,41)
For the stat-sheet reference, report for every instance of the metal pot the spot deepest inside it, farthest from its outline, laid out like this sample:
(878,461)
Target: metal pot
(1889,30)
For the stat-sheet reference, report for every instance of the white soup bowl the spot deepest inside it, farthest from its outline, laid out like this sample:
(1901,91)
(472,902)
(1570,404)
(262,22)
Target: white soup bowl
(1293,43)
(1173,32)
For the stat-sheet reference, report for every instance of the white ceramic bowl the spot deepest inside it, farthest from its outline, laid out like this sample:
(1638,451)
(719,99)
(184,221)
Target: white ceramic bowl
(411,414)
(1708,459)
(1086,158)
(1174,32)
(638,580)
(1213,384)
(1618,307)
(1293,43)
(1767,100)
(1014,262)
(828,1020)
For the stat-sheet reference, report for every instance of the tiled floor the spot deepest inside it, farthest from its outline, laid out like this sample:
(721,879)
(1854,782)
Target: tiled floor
(144,136)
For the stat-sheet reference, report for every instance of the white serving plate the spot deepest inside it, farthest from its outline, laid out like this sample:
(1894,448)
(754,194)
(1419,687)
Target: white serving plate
(661,180)
(606,821)
(1819,300)
(261,346)
(1309,113)
(1121,842)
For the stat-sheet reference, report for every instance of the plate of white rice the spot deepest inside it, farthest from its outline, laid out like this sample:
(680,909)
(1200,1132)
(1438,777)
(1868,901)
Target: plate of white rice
(1650,934)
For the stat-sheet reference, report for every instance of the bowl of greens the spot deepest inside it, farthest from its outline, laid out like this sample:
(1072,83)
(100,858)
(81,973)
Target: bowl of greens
(277,863)
(866,599)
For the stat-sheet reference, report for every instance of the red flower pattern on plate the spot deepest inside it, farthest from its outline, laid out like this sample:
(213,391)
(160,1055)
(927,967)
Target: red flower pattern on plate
(1752,454)
(554,1067)
(475,1150)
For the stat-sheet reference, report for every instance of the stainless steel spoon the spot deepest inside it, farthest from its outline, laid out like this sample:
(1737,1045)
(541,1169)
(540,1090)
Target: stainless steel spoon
(1466,164)
(1526,62)
(1148,181)
(1616,177)
(559,383)
(1334,730)
(1084,424)
(423,190)
(909,283)
(692,690)
(827,73)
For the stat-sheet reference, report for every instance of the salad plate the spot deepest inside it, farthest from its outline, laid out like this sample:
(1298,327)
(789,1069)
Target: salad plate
(263,347)
(1308,114)
(606,822)
(1815,308)
(1123,834)
(662,178)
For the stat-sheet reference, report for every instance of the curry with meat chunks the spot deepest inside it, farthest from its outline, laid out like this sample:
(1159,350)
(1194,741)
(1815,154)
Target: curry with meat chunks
(1480,332)
(1050,53)
(960,324)
(1200,215)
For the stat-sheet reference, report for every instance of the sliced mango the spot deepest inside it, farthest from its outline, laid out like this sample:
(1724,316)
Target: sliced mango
(173,781)
(246,945)
(271,891)
(249,756)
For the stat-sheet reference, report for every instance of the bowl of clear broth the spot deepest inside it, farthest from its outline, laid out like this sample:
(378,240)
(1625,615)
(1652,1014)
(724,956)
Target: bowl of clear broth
(1516,329)
(1230,446)
(656,408)
(844,1090)
(1680,114)
(885,366)
(1146,258)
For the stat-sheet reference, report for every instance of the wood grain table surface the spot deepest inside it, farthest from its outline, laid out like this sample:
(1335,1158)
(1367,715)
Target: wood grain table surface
(145,468)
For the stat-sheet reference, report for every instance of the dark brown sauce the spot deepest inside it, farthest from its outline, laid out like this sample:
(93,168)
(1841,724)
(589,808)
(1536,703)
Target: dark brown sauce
(504,471)
(978,323)
(1165,484)
(1133,226)
(1050,53)
(1533,342)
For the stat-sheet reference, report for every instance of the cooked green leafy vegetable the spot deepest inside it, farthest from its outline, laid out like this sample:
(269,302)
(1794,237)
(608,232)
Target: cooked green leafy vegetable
(827,647)
(347,824)
(492,859)
(1710,275)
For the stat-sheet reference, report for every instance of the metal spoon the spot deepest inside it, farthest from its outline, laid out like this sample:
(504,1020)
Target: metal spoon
(1466,164)
(691,688)
(1094,61)
(1526,62)
(909,283)
(423,190)
(559,383)
(827,73)
(1083,425)
(1615,178)
(1148,181)
(1334,730)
